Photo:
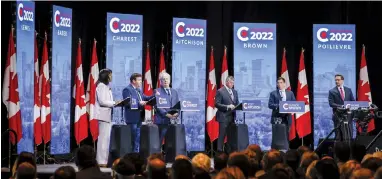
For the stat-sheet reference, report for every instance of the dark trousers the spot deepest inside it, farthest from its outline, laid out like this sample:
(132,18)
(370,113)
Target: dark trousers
(135,136)
(223,127)
(162,131)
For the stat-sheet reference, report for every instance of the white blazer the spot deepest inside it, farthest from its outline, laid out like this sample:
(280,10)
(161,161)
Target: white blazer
(104,102)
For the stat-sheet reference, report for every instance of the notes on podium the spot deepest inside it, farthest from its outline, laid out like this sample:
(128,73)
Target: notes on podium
(123,102)
(355,105)
(291,106)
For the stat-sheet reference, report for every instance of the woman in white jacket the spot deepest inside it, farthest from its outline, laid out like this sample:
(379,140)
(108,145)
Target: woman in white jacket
(104,104)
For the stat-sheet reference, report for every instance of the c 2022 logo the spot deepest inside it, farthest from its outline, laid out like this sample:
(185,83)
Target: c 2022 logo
(260,34)
(181,30)
(117,25)
(334,35)
(61,20)
(24,13)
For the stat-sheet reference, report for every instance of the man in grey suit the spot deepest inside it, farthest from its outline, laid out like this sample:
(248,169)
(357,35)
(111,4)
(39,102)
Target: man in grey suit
(225,101)
(337,96)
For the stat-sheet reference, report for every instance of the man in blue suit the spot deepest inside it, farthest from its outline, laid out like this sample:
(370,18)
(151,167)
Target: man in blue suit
(337,96)
(281,94)
(134,117)
(225,101)
(162,117)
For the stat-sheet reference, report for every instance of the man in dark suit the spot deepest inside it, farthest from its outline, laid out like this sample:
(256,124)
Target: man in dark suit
(162,117)
(281,94)
(134,117)
(225,101)
(337,96)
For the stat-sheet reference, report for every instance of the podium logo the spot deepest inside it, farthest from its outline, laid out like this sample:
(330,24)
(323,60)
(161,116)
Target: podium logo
(25,13)
(325,35)
(286,106)
(244,34)
(183,30)
(127,26)
(61,20)
(251,106)
(162,100)
(189,104)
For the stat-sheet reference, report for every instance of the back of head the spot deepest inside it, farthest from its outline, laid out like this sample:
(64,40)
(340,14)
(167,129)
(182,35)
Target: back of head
(182,169)
(124,167)
(65,172)
(342,151)
(182,157)
(155,156)
(26,171)
(230,173)
(358,152)
(138,162)
(24,157)
(279,173)
(256,148)
(240,160)
(270,159)
(220,161)
(378,154)
(284,167)
(302,149)
(367,156)
(372,163)
(327,168)
(362,173)
(378,173)
(311,171)
(156,168)
(292,158)
(347,169)
(307,158)
(201,162)
(85,157)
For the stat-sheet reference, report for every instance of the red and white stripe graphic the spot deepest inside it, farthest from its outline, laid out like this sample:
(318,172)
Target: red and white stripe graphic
(212,124)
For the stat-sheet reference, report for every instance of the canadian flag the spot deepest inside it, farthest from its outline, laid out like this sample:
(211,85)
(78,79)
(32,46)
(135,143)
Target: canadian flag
(91,93)
(37,103)
(303,121)
(148,84)
(285,75)
(212,124)
(80,116)
(162,66)
(224,68)
(45,94)
(10,92)
(364,93)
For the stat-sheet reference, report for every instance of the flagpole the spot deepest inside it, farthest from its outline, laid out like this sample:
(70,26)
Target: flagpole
(302,139)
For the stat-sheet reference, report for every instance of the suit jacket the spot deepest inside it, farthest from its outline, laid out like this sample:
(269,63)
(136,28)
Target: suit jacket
(160,115)
(92,173)
(222,100)
(104,102)
(134,116)
(335,99)
(273,103)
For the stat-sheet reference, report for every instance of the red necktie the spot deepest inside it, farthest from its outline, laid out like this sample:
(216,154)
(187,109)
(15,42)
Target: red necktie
(342,93)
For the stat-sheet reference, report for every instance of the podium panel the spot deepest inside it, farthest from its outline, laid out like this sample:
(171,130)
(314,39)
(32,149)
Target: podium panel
(237,137)
(280,134)
(175,142)
(120,142)
(149,140)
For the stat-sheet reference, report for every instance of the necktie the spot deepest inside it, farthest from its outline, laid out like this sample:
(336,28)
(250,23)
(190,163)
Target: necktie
(282,95)
(139,95)
(342,93)
(168,91)
(231,93)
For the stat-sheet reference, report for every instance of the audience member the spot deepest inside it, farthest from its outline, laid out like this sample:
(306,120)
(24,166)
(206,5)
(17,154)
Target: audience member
(65,172)
(201,164)
(372,163)
(347,169)
(124,169)
(230,173)
(292,159)
(181,169)
(362,173)
(306,159)
(138,162)
(239,159)
(302,149)
(311,171)
(327,168)
(23,157)
(156,169)
(86,162)
(378,173)
(358,151)
(220,162)
(378,154)
(367,156)
(341,152)
(256,148)
(26,170)
(182,157)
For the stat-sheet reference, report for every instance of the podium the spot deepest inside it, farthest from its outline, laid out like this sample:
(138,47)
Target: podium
(120,142)
(149,140)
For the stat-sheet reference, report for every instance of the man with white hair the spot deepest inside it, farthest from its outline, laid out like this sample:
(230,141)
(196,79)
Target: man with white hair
(162,117)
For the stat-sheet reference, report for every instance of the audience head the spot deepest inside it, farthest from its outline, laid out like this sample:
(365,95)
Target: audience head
(311,171)
(358,152)
(220,161)
(256,148)
(327,168)
(342,151)
(347,169)
(378,173)
(65,172)
(156,168)
(378,154)
(284,167)
(362,173)
(372,163)
(23,157)
(156,156)
(307,158)
(201,163)
(270,159)
(292,158)
(367,156)
(181,169)
(26,171)
(124,168)
(253,162)
(182,157)
(240,160)
(85,157)
(230,173)
(279,173)
(138,162)
(302,149)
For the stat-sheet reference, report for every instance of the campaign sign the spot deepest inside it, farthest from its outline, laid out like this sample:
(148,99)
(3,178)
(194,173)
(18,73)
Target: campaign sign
(334,52)
(61,79)
(25,31)
(190,104)
(291,106)
(354,105)
(163,101)
(254,68)
(123,53)
(189,42)
(251,105)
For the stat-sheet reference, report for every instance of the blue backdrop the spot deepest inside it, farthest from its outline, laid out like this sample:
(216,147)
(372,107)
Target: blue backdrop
(255,76)
(333,52)
(189,75)
(123,53)
(61,79)
(25,29)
